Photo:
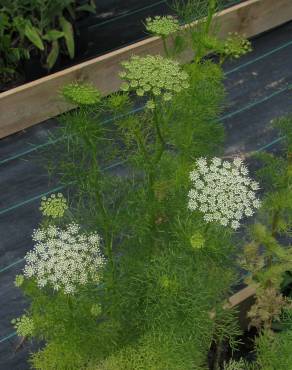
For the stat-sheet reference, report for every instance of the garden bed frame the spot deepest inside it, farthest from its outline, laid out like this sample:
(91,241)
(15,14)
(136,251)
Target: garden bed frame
(34,102)
(242,302)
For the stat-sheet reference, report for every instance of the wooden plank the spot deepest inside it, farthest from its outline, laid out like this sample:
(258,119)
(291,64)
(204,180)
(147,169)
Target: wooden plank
(39,100)
(241,296)
(242,302)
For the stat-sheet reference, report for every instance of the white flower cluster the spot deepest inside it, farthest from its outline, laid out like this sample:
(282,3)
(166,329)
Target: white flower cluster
(64,258)
(222,191)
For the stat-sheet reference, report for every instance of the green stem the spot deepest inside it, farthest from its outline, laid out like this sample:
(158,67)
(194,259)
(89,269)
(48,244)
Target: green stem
(205,30)
(146,156)
(160,142)
(275,222)
(70,305)
(109,248)
(211,12)
(165,47)
(218,352)
(141,146)
(207,228)
(108,236)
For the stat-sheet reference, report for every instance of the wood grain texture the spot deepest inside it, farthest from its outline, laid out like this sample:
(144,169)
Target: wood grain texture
(39,100)
(242,302)
(241,296)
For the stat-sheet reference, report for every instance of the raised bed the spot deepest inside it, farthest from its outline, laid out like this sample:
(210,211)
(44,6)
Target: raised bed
(19,107)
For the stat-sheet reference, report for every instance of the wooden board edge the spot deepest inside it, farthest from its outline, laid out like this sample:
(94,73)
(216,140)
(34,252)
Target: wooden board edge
(238,298)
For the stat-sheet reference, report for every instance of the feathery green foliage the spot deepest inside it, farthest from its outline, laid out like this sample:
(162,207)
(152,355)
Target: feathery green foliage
(202,38)
(268,257)
(274,351)
(159,301)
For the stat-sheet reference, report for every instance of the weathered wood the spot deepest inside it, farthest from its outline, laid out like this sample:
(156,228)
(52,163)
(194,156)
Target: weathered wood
(242,301)
(241,296)
(39,100)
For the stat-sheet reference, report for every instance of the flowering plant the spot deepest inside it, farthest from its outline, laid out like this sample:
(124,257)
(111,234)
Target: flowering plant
(222,191)
(64,258)
(155,76)
(162,26)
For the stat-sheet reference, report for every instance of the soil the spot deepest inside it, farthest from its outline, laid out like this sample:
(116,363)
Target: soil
(257,87)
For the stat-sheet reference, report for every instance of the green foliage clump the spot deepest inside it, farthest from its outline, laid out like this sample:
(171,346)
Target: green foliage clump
(194,125)
(267,256)
(155,351)
(81,94)
(73,335)
(274,351)
(171,309)
(38,27)
(10,54)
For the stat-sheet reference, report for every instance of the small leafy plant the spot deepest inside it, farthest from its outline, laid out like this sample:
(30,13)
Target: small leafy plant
(202,37)
(11,54)
(39,27)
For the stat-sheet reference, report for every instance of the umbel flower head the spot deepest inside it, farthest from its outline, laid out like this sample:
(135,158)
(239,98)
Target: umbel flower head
(81,93)
(19,279)
(236,45)
(154,76)
(54,206)
(23,325)
(162,26)
(64,259)
(222,191)
(197,240)
(96,310)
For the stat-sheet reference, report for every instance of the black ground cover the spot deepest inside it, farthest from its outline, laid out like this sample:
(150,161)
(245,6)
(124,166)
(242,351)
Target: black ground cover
(258,92)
